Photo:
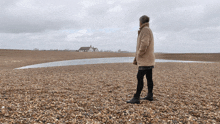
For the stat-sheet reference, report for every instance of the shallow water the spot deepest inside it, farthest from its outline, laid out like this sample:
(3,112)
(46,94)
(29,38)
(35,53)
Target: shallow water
(96,61)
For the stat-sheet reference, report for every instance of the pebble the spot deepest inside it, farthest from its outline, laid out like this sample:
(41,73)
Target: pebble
(98,94)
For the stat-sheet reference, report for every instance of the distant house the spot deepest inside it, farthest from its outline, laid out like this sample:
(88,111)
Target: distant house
(88,49)
(85,49)
(95,50)
(119,51)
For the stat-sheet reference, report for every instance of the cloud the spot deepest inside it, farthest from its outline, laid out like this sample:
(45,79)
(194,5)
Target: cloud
(178,26)
(26,16)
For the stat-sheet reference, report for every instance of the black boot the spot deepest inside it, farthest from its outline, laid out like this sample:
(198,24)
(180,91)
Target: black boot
(148,97)
(134,100)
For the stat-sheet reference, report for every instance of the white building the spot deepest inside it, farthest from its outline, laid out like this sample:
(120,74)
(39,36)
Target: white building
(88,49)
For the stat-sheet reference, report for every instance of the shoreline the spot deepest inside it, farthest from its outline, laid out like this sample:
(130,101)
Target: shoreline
(96,61)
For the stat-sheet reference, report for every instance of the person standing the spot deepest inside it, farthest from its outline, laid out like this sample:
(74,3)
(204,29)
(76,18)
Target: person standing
(145,59)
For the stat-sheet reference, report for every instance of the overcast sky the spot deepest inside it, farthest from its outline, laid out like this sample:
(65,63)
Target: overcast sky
(179,26)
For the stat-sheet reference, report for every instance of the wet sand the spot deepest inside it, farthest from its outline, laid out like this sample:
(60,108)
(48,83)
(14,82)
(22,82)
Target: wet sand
(183,92)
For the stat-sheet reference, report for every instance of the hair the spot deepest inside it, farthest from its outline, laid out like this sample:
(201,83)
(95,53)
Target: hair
(144,19)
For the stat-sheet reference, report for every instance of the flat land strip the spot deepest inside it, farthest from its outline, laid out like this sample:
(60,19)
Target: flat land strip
(10,59)
(212,57)
(183,92)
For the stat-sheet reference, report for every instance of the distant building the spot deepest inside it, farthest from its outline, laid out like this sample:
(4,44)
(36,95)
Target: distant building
(85,49)
(119,51)
(88,49)
(95,50)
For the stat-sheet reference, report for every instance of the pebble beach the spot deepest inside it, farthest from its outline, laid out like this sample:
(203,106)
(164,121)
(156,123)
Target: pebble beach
(97,94)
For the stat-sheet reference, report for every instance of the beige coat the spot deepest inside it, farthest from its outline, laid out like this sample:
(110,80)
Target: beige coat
(145,47)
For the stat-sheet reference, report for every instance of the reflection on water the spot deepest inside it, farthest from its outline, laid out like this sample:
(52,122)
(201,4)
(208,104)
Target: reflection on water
(96,61)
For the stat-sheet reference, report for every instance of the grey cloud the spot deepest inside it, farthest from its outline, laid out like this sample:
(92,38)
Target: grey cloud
(42,24)
(210,16)
(20,25)
(6,3)
(30,18)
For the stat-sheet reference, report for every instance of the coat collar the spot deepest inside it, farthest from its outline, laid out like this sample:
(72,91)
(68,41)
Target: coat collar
(142,26)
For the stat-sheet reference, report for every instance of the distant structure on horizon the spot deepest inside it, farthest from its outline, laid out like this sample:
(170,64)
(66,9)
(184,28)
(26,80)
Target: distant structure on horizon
(119,51)
(88,49)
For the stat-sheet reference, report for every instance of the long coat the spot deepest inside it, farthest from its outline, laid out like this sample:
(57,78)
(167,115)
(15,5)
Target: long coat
(145,47)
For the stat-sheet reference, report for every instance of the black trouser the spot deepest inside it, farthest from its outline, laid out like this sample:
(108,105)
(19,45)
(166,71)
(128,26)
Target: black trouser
(140,77)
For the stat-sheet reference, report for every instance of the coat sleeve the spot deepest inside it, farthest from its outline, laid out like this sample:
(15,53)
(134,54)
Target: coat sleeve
(144,42)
